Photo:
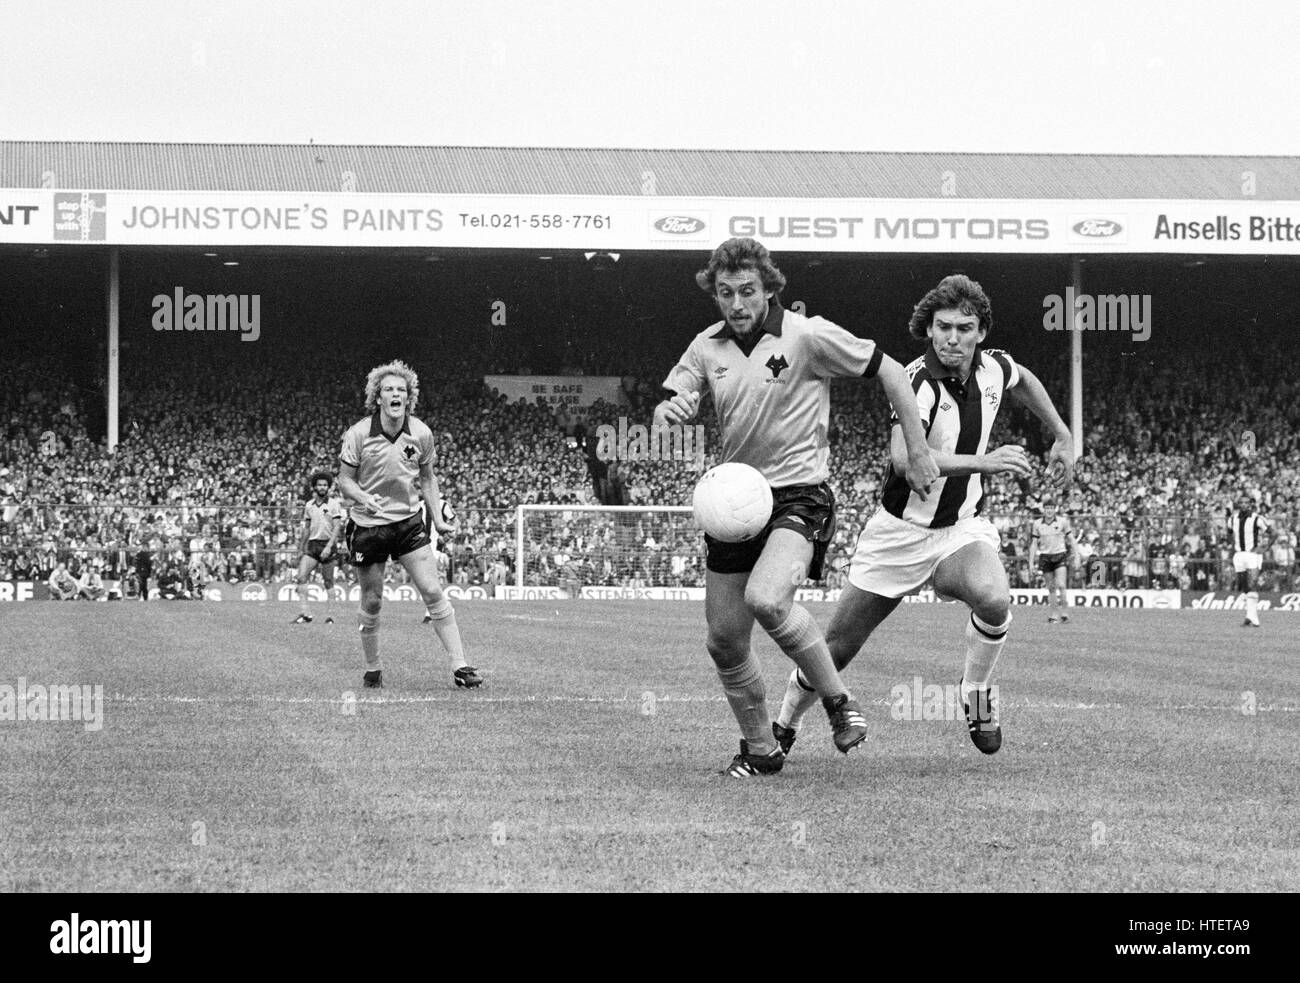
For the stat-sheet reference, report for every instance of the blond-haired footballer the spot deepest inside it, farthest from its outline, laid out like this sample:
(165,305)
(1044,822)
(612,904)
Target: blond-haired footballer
(386,470)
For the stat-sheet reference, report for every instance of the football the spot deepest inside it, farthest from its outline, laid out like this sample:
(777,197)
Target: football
(732,502)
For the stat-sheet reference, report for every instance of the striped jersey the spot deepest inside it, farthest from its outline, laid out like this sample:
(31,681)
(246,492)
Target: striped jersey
(957,419)
(321,517)
(1049,537)
(1247,529)
(388,467)
(774,402)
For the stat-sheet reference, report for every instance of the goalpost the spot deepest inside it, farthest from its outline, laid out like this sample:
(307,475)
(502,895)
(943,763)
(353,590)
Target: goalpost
(623,545)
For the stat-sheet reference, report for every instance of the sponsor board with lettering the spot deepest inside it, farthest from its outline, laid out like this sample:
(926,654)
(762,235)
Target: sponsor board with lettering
(282,590)
(615,223)
(1089,597)
(24,590)
(511,592)
(1232,601)
(642,593)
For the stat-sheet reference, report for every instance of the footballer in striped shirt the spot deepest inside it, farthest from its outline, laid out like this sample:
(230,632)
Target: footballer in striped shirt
(959,387)
(1247,527)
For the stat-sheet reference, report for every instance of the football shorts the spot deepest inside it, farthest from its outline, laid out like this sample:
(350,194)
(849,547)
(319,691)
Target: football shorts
(1051,562)
(375,544)
(807,509)
(895,557)
(1247,561)
(314,549)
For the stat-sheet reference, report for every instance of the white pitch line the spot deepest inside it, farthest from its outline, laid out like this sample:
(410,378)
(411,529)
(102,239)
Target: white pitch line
(628,698)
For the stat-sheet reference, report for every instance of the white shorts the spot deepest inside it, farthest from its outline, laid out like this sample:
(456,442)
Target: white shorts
(894,557)
(1244,561)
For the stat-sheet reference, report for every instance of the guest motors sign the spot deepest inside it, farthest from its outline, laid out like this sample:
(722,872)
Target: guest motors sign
(648,222)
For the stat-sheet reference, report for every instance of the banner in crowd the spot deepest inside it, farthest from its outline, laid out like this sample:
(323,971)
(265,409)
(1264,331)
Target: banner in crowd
(33,216)
(575,394)
(1226,600)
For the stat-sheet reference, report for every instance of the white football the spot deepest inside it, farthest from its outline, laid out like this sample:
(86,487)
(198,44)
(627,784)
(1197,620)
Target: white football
(732,502)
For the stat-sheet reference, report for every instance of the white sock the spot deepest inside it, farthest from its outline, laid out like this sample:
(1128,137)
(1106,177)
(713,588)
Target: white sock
(983,646)
(1252,606)
(799,699)
(444,623)
(369,624)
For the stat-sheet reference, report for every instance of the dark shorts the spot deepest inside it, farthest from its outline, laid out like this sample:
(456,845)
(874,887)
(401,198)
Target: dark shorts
(807,509)
(1051,562)
(314,549)
(375,544)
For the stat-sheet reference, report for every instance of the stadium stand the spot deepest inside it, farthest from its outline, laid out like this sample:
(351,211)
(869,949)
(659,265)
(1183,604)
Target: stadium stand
(210,470)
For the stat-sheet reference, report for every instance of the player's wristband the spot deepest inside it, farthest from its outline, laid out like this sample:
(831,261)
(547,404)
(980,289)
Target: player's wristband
(874,365)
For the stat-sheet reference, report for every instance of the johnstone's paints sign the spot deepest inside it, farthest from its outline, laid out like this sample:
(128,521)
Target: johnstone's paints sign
(935,225)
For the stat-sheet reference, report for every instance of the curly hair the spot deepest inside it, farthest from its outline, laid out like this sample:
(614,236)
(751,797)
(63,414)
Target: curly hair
(735,256)
(957,291)
(397,368)
(320,475)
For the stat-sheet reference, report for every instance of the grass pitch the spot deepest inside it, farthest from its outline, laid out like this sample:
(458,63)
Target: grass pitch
(1144,751)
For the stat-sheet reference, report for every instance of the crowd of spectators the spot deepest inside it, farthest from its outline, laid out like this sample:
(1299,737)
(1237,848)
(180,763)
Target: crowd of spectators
(209,476)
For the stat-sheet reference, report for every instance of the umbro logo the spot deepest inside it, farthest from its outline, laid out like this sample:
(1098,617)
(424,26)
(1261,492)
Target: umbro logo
(777,364)
(946,407)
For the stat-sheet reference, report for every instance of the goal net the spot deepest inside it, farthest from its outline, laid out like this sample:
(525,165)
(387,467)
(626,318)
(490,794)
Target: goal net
(573,546)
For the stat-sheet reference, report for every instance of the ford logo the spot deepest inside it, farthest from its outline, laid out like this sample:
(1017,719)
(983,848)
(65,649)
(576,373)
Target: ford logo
(1098,228)
(679,225)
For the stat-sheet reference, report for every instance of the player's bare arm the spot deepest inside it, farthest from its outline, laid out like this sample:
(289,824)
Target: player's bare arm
(1009,458)
(347,482)
(917,462)
(336,525)
(680,408)
(1060,459)
(433,500)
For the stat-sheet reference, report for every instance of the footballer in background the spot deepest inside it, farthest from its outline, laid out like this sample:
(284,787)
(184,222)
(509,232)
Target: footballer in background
(1247,528)
(1051,544)
(322,523)
(386,469)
